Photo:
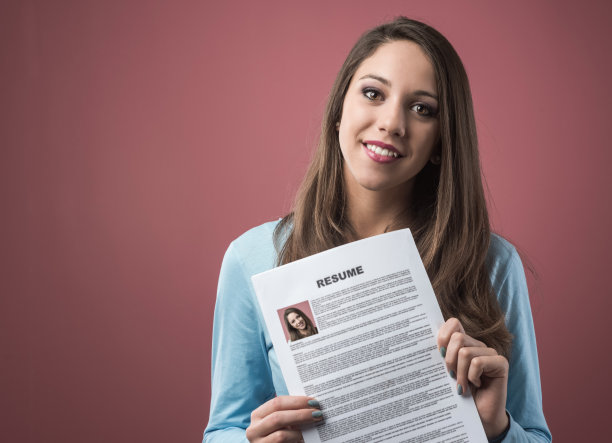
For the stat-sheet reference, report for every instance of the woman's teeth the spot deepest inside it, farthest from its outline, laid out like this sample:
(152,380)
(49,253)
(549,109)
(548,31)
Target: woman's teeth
(380,151)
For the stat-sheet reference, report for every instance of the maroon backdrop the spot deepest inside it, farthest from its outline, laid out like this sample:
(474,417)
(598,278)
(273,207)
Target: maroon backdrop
(137,139)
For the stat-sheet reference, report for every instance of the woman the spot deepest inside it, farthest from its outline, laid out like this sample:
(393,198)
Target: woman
(398,149)
(298,324)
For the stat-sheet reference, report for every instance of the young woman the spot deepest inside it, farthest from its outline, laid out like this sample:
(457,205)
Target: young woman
(298,324)
(398,149)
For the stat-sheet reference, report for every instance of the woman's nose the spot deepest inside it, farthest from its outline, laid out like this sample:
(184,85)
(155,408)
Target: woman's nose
(393,119)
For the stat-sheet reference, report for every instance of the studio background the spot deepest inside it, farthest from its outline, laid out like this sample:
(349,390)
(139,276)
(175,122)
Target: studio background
(137,139)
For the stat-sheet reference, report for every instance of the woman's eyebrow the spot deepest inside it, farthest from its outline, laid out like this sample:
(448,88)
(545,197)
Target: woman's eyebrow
(383,80)
(386,82)
(426,93)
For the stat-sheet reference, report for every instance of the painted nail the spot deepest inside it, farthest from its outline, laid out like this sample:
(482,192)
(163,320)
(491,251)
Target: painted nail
(443,351)
(452,373)
(459,389)
(317,414)
(314,403)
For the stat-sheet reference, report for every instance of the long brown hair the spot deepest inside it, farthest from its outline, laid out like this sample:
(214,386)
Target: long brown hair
(449,219)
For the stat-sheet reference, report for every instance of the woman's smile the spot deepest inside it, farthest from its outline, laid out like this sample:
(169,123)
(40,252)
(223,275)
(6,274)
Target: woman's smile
(381,152)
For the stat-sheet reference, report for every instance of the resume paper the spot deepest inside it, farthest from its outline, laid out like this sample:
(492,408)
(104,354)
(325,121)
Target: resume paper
(372,360)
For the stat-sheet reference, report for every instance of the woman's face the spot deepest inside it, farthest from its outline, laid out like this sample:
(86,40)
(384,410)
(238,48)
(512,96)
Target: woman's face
(389,127)
(296,321)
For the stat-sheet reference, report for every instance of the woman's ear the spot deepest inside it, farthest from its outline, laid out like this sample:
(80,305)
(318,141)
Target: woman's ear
(436,157)
(337,126)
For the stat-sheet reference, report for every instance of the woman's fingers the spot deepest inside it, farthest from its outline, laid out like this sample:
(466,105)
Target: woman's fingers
(284,419)
(452,338)
(285,436)
(284,402)
(459,351)
(491,366)
(467,356)
(457,342)
(279,419)
(449,327)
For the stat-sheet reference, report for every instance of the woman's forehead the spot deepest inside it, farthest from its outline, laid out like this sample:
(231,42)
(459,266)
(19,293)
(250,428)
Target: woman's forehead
(403,63)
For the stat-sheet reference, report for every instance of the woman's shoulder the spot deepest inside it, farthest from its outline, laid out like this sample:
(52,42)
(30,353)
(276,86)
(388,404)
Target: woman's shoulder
(505,268)
(254,250)
(258,235)
(501,251)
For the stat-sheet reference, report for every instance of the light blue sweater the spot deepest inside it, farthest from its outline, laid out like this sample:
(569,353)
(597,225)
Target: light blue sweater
(245,370)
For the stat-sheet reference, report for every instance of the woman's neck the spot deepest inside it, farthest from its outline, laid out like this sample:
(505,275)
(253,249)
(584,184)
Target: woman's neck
(372,212)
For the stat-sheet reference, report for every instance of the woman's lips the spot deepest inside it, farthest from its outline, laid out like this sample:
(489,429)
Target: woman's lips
(381,152)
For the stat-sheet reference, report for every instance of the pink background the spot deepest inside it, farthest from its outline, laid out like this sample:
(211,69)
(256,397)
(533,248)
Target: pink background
(137,139)
(304,307)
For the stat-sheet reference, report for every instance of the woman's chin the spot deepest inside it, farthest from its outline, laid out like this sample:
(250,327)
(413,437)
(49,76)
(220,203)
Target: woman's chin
(378,186)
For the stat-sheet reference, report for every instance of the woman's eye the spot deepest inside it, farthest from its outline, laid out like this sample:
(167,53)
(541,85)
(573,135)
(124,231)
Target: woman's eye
(422,109)
(371,94)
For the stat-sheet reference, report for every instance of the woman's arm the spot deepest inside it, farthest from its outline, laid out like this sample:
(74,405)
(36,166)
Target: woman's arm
(524,402)
(244,387)
(241,376)
(507,395)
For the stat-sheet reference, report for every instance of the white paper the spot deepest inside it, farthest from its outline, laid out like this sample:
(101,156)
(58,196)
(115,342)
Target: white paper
(374,364)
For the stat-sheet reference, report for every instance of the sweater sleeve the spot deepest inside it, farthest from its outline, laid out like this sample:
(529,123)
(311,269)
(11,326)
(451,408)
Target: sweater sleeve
(241,375)
(524,402)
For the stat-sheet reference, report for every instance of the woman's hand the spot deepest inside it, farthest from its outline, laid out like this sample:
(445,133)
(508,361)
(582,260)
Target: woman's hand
(279,419)
(475,365)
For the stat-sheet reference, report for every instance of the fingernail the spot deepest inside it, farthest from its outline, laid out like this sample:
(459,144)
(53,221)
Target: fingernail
(452,373)
(314,403)
(317,414)
(459,389)
(443,351)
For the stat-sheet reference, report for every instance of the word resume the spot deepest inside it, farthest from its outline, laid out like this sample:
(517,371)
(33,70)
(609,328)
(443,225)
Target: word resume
(355,327)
